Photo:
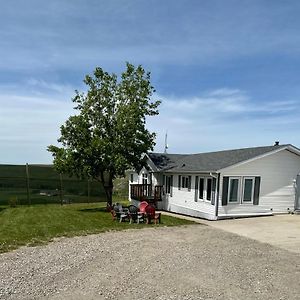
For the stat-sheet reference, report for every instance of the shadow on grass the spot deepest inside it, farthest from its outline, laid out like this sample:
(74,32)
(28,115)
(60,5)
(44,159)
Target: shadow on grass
(92,210)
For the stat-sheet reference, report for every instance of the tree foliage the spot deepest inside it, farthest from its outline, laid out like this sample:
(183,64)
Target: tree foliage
(108,134)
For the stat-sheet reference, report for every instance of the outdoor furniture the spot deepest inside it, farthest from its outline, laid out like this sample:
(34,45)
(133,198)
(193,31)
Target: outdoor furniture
(120,212)
(143,205)
(135,214)
(113,212)
(152,215)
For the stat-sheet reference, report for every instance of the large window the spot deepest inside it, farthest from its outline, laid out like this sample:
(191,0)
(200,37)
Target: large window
(241,189)
(185,182)
(201,188)
(233,190)
(168,184)
(205,188)
(248,189)
(208,189)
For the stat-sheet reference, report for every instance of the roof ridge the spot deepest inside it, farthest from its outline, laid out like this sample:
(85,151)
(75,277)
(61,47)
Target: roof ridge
(213,160)
(218,151)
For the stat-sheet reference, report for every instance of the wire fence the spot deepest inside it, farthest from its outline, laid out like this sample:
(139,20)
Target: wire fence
(41,184)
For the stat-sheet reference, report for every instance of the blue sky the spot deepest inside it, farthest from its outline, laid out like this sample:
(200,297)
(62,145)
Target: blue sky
(227,72)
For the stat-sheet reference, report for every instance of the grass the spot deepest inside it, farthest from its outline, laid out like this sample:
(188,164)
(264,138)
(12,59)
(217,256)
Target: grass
(38,224)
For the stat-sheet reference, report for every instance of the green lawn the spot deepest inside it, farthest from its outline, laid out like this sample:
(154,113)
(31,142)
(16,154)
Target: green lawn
(37,224)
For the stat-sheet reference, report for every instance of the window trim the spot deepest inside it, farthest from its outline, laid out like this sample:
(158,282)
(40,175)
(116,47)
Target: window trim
(238,201)
(243,190)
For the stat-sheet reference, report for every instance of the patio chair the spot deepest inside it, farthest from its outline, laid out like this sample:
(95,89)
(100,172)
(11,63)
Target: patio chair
(112,211)
(152,215)
(134,214)
(143,205)
(122,213)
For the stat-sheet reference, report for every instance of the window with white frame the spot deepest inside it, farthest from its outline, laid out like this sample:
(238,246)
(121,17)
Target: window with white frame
(208,188)
(233,190)
(201,188)
(168,184)
(184,182)
(241,189)
(248,189)
(205,188)
(144,178)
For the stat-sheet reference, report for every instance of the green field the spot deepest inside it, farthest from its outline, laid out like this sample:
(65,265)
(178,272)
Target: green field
(38,224)
(45,185)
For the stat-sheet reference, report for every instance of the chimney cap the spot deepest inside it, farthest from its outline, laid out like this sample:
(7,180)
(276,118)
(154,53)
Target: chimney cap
(276,143)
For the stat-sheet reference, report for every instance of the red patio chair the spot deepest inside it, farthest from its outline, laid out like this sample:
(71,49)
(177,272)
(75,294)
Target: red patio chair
(142,206)
(151,214)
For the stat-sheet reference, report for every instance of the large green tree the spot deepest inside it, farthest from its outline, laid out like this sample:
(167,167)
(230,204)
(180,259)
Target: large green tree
(108,134)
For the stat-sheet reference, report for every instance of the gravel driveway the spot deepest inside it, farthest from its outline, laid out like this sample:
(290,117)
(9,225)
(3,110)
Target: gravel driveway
(188,262)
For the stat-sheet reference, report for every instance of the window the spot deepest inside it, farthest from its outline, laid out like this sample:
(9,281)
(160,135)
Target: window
(248,189)
(205,188)
(185,182)
(145,178)
(233,191)
(208,189)
(168,184)
(201,188)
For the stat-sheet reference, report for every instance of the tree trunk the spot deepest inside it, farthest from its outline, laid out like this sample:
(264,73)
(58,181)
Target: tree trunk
(108,188)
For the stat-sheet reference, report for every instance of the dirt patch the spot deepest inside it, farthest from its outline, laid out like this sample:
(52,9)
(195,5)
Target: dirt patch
(188,262)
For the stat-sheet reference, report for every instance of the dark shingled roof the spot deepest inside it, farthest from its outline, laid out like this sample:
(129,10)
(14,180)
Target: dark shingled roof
(207,162)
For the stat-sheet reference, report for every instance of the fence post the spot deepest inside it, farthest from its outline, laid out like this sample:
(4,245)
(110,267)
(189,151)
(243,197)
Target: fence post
(61,189)
(27,184)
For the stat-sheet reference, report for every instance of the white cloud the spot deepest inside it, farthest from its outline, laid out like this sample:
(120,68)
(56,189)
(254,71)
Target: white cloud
(30,120)
(224,118)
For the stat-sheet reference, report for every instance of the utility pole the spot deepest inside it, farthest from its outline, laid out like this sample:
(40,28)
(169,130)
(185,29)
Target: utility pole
(166,142)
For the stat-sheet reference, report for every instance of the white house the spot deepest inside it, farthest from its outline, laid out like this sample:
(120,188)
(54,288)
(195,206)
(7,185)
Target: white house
(223,184)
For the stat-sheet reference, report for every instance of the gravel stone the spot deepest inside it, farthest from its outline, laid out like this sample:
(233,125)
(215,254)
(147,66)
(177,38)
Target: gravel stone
(187,262)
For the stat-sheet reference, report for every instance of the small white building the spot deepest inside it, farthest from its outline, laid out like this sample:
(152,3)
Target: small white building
(232,183)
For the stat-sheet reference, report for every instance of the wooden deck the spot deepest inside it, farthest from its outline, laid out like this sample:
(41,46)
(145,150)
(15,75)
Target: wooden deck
(146,192)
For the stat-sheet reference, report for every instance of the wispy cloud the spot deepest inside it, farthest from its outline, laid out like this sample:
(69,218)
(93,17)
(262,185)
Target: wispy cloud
(30,120)
(224,118)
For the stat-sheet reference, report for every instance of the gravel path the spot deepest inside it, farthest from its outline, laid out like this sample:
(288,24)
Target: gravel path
(188,262)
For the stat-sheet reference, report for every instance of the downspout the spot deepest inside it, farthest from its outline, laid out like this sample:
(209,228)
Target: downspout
(216,193)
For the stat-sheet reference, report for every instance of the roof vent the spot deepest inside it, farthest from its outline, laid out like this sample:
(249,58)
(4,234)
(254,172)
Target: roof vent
(183,165)
(276,143)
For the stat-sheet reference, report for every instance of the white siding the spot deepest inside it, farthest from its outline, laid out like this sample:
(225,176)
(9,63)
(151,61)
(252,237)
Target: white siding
(277,172)
(183,201)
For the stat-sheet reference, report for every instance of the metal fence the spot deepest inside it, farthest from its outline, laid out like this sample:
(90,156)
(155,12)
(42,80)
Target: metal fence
(41,184)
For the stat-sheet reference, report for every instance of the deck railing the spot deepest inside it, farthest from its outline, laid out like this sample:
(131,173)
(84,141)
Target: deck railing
(145,192)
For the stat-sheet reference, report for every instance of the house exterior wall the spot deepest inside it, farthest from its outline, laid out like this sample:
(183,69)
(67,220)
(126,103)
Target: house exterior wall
(277,193)
(183,201)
